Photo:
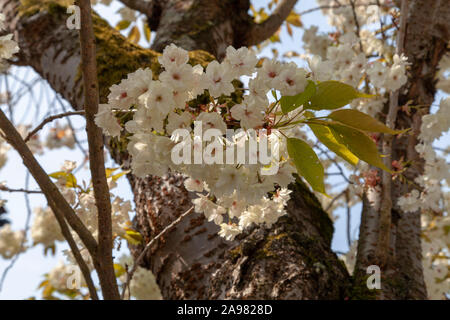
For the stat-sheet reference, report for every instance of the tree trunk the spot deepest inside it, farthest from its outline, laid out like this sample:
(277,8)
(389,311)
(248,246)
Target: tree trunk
(427,35)
(291,260)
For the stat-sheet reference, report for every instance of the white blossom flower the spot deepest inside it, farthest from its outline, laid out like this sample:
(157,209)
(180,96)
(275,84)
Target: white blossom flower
(45,228)
(217,80)
(177,77)
(241,61)
(173,55)
(212,120)
(292,80)
(178,121)
(229,232)
(193,185)
(249,116)
(159,98)
(106,120)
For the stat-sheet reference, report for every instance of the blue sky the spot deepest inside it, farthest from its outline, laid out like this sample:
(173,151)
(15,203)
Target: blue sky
(24,278)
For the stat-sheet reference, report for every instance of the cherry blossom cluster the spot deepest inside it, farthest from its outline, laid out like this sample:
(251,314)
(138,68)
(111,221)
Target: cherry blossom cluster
(436,259)
(45,229)
(362,53)
(60,136)
(437,169)
(10,242)
(232,195)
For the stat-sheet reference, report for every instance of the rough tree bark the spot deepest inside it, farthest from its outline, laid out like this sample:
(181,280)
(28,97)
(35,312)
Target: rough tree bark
(293,259)
(426,41)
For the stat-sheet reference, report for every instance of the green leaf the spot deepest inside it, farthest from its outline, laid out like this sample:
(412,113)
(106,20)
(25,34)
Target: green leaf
(359,144)
(133,237)
(58,174)
(324,134)
(361,121)
(47,292)
(333,95)
(147,31)
(274,94)
(119,175)
(43,284)
(71,181)
(134,35)
(122,25)
(294,19)
(119,270)
(289,103)
(51,248)
(307,163)
(110,171)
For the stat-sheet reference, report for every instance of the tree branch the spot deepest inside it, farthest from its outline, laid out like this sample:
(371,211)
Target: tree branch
(6,189)
(50,119)
(96,154)
(145,7)
(262,31)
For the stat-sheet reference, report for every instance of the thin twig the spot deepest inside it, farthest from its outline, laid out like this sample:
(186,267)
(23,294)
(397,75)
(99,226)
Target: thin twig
(148,246)
(358,28)
(333,7)
(75,138)
(334,200)
(24,239)
(105,265)
(341,171)
(50,119)
(6,189)
(349,213)
(383,33)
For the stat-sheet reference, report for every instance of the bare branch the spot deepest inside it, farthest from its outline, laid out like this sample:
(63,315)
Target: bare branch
(325,7)
(262,31)
(145,7)
(50,119)
(330,205)
(6,189)
(358,28)
(349,219)
(105,266)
